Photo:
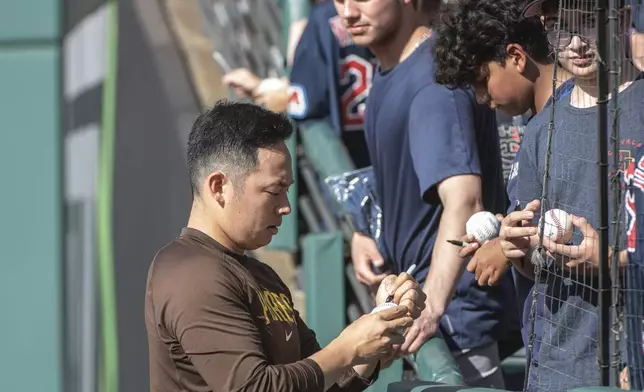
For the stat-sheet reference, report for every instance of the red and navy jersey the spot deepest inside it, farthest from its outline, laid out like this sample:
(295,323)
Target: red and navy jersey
(634,204)
(330,76)
(634,293)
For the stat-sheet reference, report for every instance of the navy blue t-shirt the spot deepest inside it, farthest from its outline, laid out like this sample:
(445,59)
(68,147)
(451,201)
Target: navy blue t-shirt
(420,133)
(522,284)
(565,354)
(330,78)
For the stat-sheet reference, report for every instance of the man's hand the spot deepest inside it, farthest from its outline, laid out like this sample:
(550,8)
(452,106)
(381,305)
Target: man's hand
(373,336)
(422,330)
(365,255)
(272,93)
(517,241)
(488,263)
(585,256)
(243,81)
(405,291)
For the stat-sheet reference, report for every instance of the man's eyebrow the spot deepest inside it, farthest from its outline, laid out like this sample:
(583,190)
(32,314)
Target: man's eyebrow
(281,183)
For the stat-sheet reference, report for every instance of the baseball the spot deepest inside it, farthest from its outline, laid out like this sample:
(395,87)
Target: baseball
(387,305)
(271,84)
(483,226)
(557,226)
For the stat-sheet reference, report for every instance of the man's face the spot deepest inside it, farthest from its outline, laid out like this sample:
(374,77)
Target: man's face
(503,87)
(370,22)
(574,36)
(637,50)
(251,214)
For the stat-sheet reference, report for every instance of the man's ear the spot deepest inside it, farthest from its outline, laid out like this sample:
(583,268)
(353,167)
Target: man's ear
(215,186)
(516,57)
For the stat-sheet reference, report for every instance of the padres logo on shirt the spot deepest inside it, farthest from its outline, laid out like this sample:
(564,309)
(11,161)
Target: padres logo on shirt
(276,306)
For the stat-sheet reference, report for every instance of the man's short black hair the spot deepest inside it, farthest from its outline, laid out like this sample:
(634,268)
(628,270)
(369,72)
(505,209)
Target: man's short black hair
(472,33)
(227,137)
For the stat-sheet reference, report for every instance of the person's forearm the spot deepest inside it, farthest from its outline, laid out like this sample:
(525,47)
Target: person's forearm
(365,371)
(334,362)
(446,266)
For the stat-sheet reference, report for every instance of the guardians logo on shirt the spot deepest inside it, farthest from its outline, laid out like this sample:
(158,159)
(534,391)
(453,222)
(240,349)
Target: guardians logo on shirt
(634,178)
(276,307)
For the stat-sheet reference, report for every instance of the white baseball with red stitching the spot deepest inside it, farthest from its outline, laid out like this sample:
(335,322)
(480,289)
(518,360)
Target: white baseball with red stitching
(387,305)
(483,226)
(558,226)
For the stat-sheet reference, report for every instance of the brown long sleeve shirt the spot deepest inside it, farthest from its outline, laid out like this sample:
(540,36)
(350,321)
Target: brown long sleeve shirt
(220,321)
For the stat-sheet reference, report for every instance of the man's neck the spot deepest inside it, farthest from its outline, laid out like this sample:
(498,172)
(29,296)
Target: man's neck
(543,86)
(400,46)
(585,92)
(199,220)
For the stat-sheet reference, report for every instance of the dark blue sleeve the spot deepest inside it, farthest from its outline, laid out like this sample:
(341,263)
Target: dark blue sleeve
(637,15)
(442,137)
(308,94)
(528,176)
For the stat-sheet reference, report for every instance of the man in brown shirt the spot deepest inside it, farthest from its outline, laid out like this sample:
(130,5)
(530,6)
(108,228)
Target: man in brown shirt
(218,320)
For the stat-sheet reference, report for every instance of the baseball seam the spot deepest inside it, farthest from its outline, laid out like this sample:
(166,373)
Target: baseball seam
(558,225)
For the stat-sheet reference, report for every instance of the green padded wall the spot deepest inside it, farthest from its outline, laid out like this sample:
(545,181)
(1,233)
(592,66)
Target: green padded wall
(30,233)
(29,20)
(30,212)
(324,269)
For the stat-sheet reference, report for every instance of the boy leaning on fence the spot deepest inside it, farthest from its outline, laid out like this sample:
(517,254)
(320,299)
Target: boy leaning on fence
(566,321)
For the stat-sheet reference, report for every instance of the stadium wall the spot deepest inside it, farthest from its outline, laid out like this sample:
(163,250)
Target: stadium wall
(30,168)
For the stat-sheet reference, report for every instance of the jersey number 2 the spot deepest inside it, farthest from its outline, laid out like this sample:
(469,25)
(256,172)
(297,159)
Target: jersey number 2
(354,99)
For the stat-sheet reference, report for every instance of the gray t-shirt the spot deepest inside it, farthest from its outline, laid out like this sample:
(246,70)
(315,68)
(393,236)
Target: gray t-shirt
(566,330)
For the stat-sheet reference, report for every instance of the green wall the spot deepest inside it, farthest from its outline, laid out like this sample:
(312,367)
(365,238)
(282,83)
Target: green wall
(30,203)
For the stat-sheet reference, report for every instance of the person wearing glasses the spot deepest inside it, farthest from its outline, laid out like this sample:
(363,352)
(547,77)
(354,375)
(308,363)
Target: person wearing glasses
(566,321)
(636,33)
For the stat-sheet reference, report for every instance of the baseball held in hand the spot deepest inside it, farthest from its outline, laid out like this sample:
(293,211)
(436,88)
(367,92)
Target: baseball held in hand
(557,226)
(483,226)
(384,306)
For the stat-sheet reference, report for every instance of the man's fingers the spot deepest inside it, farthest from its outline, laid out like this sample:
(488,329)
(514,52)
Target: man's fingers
(515,253)
(484,277)
(517,216)
(571,251)
(468,238)
(471,266)
(403,322)
(394,339)
(418,342)
(575,263)
(511,232)
(533,206)
(407,286)
(585,227)
(416,309)
(388,283)
(392,313)
(469,250)
(378,262)
(410,337)
(365,275)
